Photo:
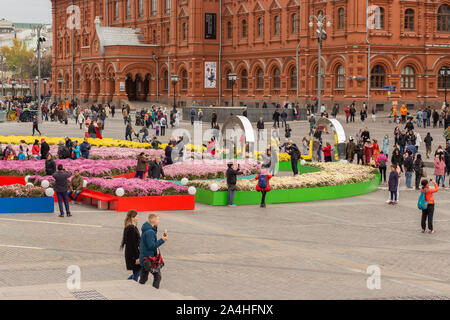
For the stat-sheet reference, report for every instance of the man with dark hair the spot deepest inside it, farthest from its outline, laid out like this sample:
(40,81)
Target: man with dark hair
(61,188)
(231,182)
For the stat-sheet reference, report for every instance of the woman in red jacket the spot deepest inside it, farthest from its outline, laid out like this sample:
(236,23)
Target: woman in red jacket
(36,149)
(263,185)
(327,152)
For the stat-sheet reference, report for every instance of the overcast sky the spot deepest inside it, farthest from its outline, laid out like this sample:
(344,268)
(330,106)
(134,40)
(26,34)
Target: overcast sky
(35,11)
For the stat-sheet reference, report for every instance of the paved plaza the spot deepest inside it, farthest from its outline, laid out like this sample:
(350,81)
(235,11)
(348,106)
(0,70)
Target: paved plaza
(312,250)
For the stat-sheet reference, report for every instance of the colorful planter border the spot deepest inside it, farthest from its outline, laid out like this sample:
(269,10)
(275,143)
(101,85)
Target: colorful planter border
(289,195)
(27,205)
(153,203)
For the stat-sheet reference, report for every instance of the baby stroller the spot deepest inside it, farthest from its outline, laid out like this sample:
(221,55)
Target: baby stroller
(139,120)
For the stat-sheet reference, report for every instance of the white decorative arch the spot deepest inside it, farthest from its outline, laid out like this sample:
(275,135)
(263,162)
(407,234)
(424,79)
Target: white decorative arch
(339,132)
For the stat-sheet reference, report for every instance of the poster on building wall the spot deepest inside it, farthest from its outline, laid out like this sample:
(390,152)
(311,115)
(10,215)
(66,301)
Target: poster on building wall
(210,26)
(210,75)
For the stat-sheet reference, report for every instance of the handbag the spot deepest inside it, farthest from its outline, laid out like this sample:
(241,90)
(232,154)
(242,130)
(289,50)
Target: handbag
(153,264)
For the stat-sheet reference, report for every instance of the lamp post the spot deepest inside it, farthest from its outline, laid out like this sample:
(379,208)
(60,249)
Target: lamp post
(2,60)
(40,39)
(174,78)
(319,22)
(60,82)
(13,84)
(445,73)
(232,77)
(35,81)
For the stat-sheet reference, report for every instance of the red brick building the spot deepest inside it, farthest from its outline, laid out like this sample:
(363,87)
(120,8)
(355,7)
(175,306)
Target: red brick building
(134,46)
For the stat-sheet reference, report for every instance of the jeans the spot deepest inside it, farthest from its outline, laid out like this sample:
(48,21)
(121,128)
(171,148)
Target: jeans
(263,198)
(125,121)
(393,195)
(408,176)
(62,197)
(144,136)
(156,277)
(35,128)
(283,123)
(418,178)
(135,275)
(294,164)
(231,194)
(139,174)
(77,193)
(440,178)
(427,214)
(402,149)
(93,135)
(383,173)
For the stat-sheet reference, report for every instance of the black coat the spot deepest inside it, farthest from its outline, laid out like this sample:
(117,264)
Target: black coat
(156,170)
(131,241)
(50,167)
(232,176)
(45,148)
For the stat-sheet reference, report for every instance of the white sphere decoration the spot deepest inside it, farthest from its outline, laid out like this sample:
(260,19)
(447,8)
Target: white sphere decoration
(45,184)
(343,161)
(184,181)
(214,187)
(120,192)
(303,162)
(26,178)
(192,190)
(84,183)
(49,192)
(29,184)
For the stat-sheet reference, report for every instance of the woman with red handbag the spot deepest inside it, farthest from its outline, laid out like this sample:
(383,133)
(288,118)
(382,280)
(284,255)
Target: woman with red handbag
(150,260)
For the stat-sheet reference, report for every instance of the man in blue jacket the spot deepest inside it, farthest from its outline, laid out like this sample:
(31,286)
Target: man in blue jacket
(149,248)
(84,148)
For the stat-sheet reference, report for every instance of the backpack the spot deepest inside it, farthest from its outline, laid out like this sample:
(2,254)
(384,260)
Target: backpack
(422,204)
(382,162)
(262,180)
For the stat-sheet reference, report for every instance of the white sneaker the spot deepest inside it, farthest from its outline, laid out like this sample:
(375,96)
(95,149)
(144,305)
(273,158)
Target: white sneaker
(388,200)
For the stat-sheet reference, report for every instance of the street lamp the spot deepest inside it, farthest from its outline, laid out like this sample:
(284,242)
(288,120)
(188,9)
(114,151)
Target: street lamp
(445,73)
(174,78)
(319,22)
(232,77)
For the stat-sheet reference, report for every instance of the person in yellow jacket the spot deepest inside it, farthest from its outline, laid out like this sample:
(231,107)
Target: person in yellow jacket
(403,113)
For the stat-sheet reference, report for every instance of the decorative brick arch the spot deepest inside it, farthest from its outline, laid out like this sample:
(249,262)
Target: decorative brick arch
(388,64)
(440,62)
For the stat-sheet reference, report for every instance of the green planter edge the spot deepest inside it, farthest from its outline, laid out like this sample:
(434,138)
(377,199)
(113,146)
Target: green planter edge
(289,195)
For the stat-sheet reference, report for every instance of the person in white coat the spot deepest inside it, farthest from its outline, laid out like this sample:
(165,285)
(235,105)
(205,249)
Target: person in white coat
(418,141)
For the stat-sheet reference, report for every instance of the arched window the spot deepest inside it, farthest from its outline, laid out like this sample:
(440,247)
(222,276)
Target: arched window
(166,80)
(260,79)
(276,27)
(168,4)
(340,77)
(409,19)
(379,18)
(260,27)
(244,29)
(377,77)
(244,80)
(293,78)
(442,80)
(443,18)
(294,23)
(128,9)
(408,80)
(229,82)
(185,31)
(116,10)
(184,80)
(341,19)
(276,84)
(154,7)
(141,8)
(230,30)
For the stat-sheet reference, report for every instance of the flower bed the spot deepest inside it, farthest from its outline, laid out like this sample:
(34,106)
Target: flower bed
(88,168)
(136,187)
(207,169)
(106,142)
(328,174)
(24,199)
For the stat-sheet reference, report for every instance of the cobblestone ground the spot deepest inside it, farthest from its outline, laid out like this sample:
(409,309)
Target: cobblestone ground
(316,250)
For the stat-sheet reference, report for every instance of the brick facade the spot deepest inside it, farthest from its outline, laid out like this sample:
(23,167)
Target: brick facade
(409,45)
